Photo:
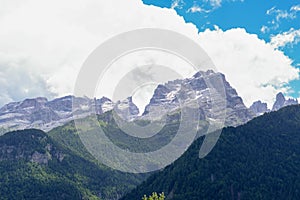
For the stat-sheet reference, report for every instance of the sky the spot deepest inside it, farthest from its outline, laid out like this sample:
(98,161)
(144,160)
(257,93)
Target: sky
(43,45)
(274,22)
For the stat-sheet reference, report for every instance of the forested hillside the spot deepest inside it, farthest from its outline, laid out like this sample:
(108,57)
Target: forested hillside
(258,160)
(34,166)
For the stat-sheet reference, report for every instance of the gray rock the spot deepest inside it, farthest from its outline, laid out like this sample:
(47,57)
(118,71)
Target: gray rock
(170,96)
(126,109)
(45,115)
(282,102)
(258,108)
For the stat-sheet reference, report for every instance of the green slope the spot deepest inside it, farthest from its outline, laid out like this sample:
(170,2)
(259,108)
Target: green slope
(68,136)
(258,160)
(34,166)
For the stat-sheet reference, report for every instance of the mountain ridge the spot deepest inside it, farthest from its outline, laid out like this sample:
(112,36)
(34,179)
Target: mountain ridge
(46,115)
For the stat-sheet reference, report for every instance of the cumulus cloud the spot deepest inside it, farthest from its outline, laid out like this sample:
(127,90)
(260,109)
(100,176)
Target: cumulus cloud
(43,45)
(289,37)
(253,67)
(18,80)
(50,40)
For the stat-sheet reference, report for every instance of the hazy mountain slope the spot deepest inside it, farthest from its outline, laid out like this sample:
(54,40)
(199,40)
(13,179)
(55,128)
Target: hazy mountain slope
(258,160)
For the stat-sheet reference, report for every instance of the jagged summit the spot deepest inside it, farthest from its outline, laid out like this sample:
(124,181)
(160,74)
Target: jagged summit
(166,97)
(43,114)
(281,101)
(259,108)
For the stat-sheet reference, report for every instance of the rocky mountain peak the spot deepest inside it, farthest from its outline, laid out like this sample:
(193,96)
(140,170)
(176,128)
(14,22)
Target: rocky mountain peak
(168,97)
(281,101)
(259,108)
(127,109)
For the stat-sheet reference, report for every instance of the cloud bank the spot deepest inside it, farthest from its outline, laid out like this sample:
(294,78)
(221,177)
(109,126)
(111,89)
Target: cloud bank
(255,68)
(43,45)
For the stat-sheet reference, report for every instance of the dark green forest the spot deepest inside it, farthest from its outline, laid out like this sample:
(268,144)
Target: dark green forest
(34,166)
(258,160)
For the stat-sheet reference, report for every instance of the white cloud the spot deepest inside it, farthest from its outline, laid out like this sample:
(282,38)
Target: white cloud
(251,65)
(218,3)
(290,37)
(43,44)
(264,29)
(196,8)
(279,15)
(215,3)
(295,8)
(177,4)
(50,40)
(18,80)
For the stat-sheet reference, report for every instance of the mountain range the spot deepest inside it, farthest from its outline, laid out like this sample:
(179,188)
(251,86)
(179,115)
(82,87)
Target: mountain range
(45,115)
(56,165)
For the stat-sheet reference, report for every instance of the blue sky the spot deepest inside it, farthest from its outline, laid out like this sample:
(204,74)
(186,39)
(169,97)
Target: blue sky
(265,18)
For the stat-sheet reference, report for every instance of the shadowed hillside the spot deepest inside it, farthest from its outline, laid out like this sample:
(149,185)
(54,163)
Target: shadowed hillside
(258,160)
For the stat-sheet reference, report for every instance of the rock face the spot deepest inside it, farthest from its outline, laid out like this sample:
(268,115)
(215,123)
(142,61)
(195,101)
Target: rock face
(103,105)
(282,102)
(258,108)
(172,95)
(43,114)
(127,109)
